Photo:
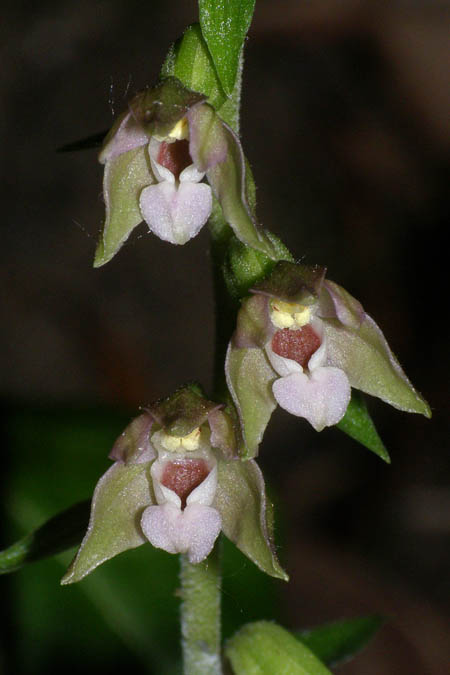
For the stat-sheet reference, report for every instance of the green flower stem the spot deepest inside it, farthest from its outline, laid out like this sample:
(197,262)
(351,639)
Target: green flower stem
(200,615)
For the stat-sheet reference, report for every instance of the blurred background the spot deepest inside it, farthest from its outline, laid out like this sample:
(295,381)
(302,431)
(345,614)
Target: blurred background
(346,123)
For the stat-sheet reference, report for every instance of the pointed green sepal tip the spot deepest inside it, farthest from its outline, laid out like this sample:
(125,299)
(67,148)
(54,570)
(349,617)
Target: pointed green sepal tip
(100,257)
(358,424)
(340,641)
(247,518)
(114,523)
(264,648)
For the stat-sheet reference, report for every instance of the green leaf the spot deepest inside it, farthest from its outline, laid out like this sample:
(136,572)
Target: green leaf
(190,61)
(264,648)
(121,495)
(224,25)
(124,178)
(249,377)
(340,640)
(61,532)
(246,514)
(358,424)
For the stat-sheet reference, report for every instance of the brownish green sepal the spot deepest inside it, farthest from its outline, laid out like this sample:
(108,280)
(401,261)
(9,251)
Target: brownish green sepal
(182,412)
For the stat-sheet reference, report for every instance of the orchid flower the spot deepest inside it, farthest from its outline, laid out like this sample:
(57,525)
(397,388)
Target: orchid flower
(156,156)
(176,483)
(303,342)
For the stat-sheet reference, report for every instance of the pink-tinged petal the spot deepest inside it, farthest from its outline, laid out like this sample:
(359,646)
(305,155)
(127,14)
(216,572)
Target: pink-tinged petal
(253,323)
(222,432)
(336,302)
(126,134)
(322,398)
(216,149)
(192,531)
(133,445)
(208,144)
(176,214)
(365,356)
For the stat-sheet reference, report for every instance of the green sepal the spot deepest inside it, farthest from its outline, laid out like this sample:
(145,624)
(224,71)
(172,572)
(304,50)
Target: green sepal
(365,357)
(249,378)
(190,61)
(358,424)
(246,514)
(182,412)
(224,25)
(124,178)
(265,648)
(120,497)
(339,641)
(58,534)
(293,282)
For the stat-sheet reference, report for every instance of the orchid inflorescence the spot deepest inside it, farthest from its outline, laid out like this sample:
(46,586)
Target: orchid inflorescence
(184,469)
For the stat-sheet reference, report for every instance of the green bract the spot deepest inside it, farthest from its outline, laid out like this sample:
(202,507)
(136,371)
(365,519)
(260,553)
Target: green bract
(264,648)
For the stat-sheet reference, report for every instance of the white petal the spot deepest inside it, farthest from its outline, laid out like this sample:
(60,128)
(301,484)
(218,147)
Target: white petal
(161,525)
(194,204)
(176,215)
(161,172)
(156,204)
(192,531)
(322,398)
(200,528)
(127,136)
(205,492)
(320,355)
(280,364)
(191,174)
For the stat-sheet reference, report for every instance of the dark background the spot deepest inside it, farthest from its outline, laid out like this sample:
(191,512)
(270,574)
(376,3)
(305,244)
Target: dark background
(346,123)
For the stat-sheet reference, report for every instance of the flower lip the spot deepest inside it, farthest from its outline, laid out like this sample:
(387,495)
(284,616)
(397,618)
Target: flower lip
(296,344)
(174,156)
(182,476)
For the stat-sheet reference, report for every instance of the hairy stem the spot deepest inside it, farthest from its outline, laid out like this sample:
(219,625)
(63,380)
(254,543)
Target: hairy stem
(200,615)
